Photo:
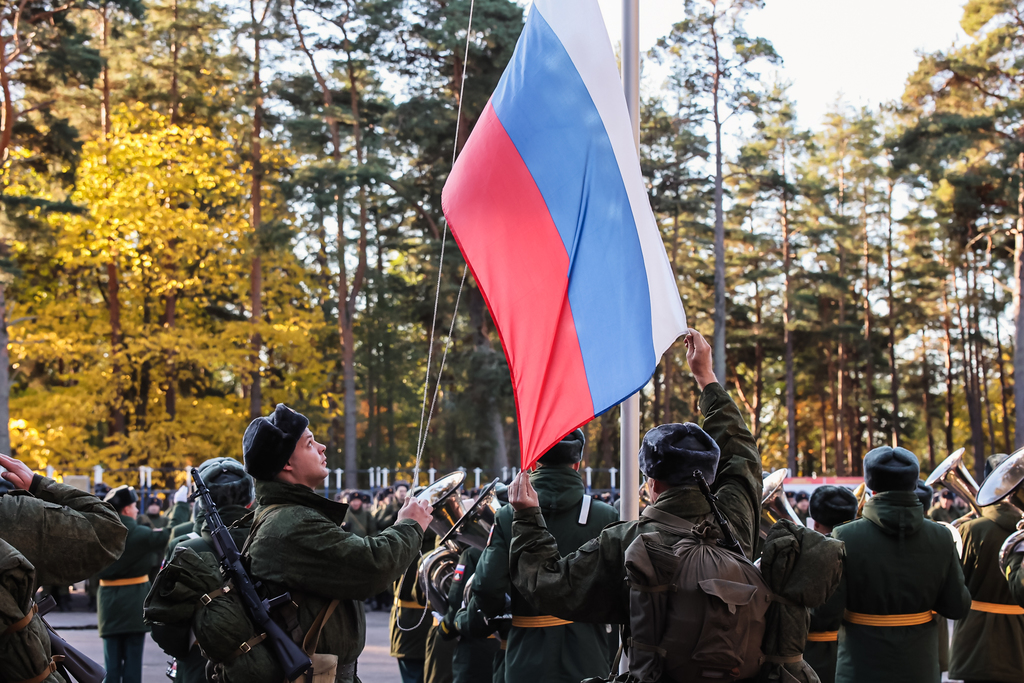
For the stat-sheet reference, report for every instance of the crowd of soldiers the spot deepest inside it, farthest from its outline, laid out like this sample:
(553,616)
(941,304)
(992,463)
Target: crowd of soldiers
(562,591)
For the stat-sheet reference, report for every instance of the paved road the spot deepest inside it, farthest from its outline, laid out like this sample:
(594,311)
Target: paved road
(375,664)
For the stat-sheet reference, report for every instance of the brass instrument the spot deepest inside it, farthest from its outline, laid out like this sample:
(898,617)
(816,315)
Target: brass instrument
(953,475)
(863,495)
(1000,486)
(443,496)
(774,505)
(435,575)
(474,528)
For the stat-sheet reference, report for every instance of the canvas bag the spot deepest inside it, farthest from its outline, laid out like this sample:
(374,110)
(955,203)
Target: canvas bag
(697,610)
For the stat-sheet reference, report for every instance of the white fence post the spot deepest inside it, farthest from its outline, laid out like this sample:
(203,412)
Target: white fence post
(97,474)
(613,471)
(590,477)
(337,477)
(431,474)
(476,477)
(384,473)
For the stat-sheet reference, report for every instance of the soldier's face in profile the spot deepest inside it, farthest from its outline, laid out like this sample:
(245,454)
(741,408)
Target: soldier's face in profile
(308,464)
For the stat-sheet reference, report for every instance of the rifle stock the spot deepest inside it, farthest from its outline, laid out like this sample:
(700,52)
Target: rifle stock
(290,656)
(728,541)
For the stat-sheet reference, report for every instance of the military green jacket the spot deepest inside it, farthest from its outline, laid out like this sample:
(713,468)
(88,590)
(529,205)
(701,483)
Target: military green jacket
(937,514)
(590,584)
(68,535)
(821,655)
(119,608)
(897,562)
(1015,577)
(988,646)
(361,523)
(300,547)
(569,652)
(193,668)
(473,661)
(387,515)
(180,513)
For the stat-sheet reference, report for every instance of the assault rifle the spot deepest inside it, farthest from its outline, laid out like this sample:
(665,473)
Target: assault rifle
(728,541)
(290,656)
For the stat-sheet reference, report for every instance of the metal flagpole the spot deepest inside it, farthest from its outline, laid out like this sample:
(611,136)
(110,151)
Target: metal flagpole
(629,410)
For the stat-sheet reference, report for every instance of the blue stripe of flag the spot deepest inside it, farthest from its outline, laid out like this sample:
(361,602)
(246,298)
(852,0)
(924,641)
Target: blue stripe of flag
(548,113)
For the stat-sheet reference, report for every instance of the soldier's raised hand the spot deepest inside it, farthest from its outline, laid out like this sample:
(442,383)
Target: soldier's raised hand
(416,510)
(17,472)
(521,494)
(698,357)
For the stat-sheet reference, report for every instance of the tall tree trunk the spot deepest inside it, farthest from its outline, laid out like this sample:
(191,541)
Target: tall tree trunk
(256,218)
(947,348)
(719,340)
(105,76)
(972,390)
(894,380)
(174,63)
(869,366)
(1018,290)
(1001,366)
(5,377)
(118,424)
(787,320)
(171,370)
(926,381)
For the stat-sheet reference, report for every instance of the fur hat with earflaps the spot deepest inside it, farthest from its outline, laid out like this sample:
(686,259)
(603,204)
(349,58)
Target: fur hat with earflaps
(568,451)
(832,505)
(891,469)
(269,441)
(671,452)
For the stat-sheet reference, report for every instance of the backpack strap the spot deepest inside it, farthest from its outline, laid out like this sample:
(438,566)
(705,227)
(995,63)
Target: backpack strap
(258,518)
(50,668)
(584,510)
(309,643)
(667,519)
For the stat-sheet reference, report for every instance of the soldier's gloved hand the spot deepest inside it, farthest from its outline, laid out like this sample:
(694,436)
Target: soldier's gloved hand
(17,472)
(181,495)
(448,630)
(416,510)
(521,494)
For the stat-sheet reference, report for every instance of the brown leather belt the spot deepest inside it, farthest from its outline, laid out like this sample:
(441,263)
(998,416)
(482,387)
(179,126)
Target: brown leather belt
(134,581)
(995,607)
(538,622)
(888,619)
(822,636)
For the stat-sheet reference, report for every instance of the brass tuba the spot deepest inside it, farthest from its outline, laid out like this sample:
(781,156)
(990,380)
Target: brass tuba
(474,528)
(863,495)
(953,475)
(435,575)
(774,505)
(1000,486)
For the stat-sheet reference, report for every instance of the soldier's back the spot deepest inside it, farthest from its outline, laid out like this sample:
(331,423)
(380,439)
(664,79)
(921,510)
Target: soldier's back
(899,568)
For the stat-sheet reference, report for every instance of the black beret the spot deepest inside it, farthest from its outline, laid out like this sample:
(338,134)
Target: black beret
(122,497)
(269,441)
(891,469)
(925,493)
(568,451)
(833,505)
(671,452)
(993,461)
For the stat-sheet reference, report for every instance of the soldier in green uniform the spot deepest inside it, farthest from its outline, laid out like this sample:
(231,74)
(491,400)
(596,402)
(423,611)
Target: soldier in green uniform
(541,646)
(988,644)
(123,589)
(802,506)
(359,520)
(590,584)
(899,568)
(829,507)
(297,543)
(387,515)
(233,492)
(408,625)
(473,660)
(66,534)
(945,509)
(437,666)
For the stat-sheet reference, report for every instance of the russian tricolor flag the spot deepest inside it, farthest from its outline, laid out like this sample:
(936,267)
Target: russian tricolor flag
(549,208)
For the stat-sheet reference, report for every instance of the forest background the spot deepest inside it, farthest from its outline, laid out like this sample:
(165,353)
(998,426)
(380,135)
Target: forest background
(210,207)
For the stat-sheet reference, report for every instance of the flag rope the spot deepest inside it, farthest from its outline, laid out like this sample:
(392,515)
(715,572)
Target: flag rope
(425,416)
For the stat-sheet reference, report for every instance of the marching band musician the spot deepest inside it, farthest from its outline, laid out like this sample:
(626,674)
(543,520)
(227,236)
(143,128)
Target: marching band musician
(899,568)
(988,644)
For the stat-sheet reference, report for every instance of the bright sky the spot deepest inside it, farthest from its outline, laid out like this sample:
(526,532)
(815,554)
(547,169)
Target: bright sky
(863,49)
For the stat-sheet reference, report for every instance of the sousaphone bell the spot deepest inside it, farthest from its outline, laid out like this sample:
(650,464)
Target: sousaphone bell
(474,528)
(953,475)
(443,496)
(999,487)
(774,505)
(435,575)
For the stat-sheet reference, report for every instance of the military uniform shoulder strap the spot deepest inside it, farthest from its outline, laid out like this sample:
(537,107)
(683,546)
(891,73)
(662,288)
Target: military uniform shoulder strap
(667,519)
(584,510)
